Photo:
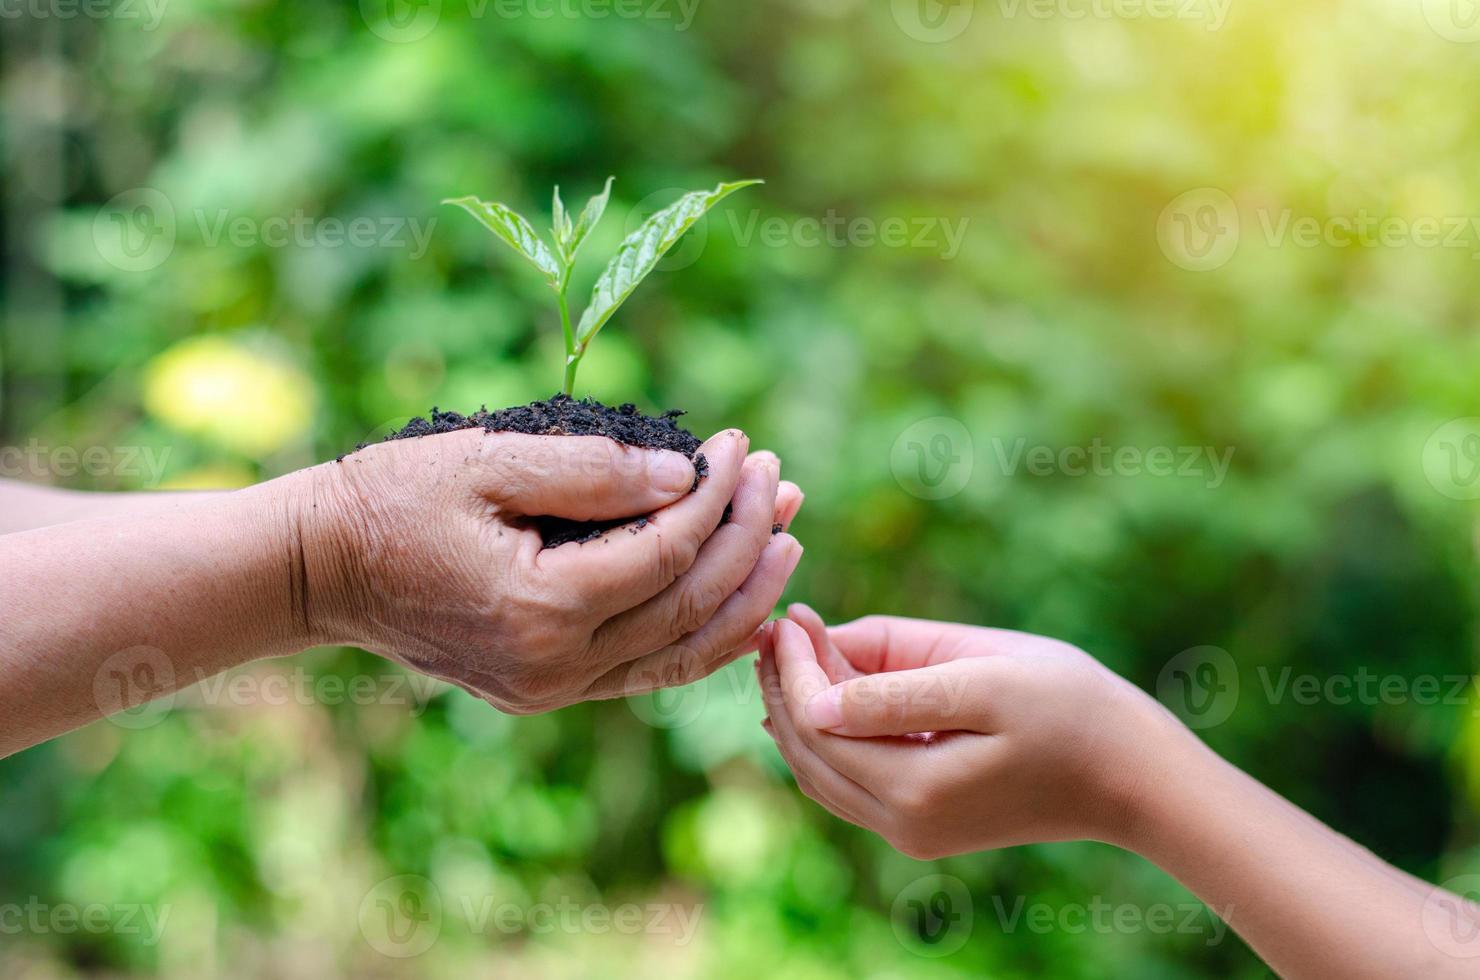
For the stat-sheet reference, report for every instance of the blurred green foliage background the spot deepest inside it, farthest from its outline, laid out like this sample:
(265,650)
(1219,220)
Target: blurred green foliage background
(218,316)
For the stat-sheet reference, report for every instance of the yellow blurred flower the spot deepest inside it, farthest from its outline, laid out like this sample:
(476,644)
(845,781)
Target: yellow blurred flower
(226,393)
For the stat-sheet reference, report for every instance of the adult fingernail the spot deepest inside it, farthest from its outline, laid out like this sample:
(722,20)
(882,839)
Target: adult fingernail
(825,709)
(670,471)
(794,559)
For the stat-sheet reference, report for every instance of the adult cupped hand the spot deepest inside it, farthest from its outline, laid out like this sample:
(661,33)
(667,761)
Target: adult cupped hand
(425,551)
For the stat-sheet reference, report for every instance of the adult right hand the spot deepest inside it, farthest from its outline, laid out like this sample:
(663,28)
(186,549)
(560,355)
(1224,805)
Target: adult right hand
(424,551)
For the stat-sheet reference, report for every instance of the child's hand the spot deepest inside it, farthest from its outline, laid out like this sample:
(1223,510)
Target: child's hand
(946,738)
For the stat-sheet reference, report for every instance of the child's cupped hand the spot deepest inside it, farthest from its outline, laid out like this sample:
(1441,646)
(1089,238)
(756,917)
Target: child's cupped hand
(946,738)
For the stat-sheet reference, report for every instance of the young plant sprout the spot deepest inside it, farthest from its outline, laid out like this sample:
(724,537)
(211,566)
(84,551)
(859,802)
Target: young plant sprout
(637,256)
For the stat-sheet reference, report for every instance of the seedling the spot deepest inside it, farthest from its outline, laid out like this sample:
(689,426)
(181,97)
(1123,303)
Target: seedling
(636,257)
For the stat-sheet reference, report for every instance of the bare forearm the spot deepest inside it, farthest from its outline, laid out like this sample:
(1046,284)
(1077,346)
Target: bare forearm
(1311,902)
(27,506)
(177,592)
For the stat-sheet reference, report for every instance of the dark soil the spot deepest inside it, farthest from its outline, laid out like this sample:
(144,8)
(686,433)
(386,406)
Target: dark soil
(562,415)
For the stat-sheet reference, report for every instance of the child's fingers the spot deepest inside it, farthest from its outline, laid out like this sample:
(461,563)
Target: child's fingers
(868,763)
(811,792)
(834,664)
(829,783)
(875,644)
(950,697)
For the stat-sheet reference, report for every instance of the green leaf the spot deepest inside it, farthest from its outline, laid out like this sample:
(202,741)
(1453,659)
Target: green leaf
(560,226)
(513,229)
(590,215)
(641,251)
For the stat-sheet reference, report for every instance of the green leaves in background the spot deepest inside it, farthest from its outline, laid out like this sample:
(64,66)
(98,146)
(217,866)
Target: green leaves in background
(640,252)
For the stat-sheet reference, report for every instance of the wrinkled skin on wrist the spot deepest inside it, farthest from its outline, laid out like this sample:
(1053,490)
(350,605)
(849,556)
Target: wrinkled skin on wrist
(424,551)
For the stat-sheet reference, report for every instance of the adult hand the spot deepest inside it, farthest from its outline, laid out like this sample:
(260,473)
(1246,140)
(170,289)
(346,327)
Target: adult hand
(425,551)
(422,550)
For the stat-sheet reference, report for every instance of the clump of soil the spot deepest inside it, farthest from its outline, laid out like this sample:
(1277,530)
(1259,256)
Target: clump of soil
(562,415)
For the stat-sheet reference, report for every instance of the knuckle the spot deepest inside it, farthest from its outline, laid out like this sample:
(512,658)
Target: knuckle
(913,799)
(675,554)
(529,691)
(696,605)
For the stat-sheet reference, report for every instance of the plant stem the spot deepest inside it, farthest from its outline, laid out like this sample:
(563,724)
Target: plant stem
(572,361)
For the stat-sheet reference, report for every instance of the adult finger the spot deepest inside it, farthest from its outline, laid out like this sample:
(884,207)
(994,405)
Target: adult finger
(628,565)
(724,562)
(720,641)
(789,500)
(583,478)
